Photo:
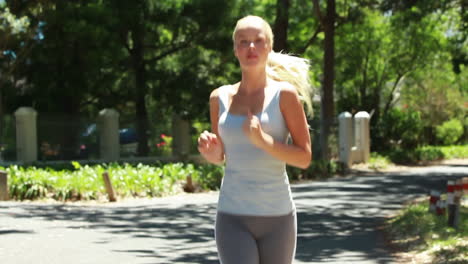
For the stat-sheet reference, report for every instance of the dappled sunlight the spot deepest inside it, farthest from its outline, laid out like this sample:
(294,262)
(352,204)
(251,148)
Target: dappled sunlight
(338,221)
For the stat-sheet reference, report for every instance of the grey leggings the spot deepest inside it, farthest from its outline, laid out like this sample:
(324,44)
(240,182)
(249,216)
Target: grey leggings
(256,239)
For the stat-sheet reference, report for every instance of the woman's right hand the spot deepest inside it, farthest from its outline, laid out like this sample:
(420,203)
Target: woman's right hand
(211,148)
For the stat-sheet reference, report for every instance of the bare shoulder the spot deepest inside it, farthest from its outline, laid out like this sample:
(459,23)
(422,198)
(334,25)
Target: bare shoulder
(214,96)
(215,93)
(288,92)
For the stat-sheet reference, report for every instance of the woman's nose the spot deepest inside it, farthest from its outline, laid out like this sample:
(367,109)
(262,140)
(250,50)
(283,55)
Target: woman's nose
(251,44)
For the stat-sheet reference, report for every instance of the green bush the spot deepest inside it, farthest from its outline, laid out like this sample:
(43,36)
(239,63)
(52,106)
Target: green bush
(208,176)
(449,132)
(427,154)
(318,169)
(455,152)
(84,182)
(398,128)
(415,156)
(23,185)
(402,156)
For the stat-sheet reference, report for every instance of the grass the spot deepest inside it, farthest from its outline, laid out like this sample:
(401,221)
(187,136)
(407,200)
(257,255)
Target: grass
(427,237)
(378,162)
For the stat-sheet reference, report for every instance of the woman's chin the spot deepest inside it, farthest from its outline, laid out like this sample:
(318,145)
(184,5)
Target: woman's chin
(254,62)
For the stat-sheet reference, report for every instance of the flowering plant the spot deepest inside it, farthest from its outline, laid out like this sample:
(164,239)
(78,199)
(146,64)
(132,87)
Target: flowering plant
(165,146)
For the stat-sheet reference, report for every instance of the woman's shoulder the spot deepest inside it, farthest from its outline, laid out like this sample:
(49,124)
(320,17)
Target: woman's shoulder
(227,88)
(287,93)
(217,93)
(285,88)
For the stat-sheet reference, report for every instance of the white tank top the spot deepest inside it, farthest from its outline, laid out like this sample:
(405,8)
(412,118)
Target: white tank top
(254,183)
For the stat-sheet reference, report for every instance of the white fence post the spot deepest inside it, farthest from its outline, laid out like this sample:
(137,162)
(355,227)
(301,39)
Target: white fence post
(345,127)
(26,134)
(358,151)
(362,135)
(108,127)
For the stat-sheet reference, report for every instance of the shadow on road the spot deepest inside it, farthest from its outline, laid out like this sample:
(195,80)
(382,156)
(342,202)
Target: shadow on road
(337,220)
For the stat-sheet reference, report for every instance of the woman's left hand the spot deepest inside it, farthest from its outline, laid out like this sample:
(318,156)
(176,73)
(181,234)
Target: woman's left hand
(253,130)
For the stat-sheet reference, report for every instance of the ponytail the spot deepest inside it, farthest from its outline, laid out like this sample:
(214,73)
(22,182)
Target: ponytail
(294,70)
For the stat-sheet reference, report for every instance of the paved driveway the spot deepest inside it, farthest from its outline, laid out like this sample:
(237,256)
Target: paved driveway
(337,221)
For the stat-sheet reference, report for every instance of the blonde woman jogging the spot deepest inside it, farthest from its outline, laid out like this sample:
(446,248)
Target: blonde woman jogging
(251,122)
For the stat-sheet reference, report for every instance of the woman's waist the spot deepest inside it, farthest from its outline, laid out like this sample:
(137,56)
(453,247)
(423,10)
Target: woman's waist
(253,162)
(255,182)
(260,174)
(255,200)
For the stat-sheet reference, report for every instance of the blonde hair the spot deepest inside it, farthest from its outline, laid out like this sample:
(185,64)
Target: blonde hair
(284,67)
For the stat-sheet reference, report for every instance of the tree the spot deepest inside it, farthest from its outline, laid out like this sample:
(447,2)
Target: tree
(151,31)
(327,111)
(13,30)
(280,28)
(380,54)
(436,92)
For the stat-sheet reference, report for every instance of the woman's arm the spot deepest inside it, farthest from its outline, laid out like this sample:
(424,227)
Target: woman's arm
(298,153)
(209,143)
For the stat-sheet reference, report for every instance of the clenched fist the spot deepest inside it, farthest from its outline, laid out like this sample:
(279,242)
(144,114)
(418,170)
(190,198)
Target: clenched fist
(210,146)
(252,128)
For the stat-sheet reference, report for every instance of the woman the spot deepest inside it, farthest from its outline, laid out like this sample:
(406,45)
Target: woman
(251,122)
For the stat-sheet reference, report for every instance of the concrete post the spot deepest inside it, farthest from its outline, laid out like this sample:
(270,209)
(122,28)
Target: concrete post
(108,127)
(362,135)
(4,195)
(180,136)
(26,134)
(345,127)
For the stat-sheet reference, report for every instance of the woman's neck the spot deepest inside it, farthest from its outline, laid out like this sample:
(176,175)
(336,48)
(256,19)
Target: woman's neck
(252,81)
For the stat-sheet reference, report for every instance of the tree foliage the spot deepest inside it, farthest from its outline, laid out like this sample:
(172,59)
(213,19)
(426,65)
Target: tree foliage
(151,59)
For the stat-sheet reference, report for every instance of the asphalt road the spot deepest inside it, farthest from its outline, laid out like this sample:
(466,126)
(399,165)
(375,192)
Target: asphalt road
(338,222)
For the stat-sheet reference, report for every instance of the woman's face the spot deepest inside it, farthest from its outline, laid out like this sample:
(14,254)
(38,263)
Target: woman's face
(251,45)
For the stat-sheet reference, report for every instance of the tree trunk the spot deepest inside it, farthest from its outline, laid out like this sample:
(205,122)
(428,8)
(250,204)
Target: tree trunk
(280,28)
(327,110)
(140,86)
(1,117)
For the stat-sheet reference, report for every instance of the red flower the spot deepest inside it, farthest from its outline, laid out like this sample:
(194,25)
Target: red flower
(161,144)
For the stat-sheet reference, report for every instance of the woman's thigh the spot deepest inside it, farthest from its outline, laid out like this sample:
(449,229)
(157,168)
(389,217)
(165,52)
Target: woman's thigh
(279,246)
(234,242)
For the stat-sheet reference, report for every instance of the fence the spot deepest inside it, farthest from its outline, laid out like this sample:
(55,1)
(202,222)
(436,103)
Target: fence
(56,137)
(28,136)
